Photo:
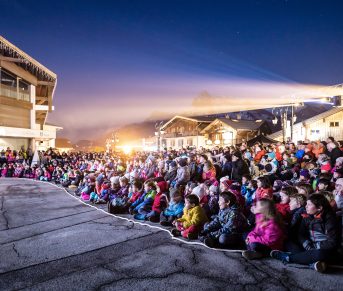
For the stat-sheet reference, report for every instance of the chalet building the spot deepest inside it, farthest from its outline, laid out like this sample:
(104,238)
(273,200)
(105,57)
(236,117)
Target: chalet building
(226,131)
(26,94)
(180,132)
(319,127)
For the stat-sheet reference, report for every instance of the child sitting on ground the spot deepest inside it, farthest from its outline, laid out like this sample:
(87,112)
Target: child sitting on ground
(226,229)
(264,189)
(268,233)
(250,193)
(143,204)
(297,209)
(283,206)
(318,236)
(160,202)
(192,220)
(174,210)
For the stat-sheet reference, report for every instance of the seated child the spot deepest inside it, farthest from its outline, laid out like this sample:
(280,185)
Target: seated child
(245,183)
(283,206)
(297,209)
(318,236)
(143,204)
(268,233)
(226,229)
(264,190)
(174,209)
(250,193)
(160,202)
(192,220)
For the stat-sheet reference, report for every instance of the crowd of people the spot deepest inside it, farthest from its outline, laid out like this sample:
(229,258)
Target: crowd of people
(279,200)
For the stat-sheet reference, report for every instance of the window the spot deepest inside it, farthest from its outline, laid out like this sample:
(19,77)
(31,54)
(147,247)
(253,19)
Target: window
(334,124)
(180,143)
(315,131)
(172,143)
(190,142)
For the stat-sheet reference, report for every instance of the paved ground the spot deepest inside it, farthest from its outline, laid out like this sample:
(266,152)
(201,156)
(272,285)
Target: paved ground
(50,240)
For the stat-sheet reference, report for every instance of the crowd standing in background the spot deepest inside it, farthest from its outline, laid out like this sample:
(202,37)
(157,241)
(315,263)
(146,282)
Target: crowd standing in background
(279,200)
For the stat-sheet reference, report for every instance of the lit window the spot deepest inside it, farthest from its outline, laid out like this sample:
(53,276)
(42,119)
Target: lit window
(334,124)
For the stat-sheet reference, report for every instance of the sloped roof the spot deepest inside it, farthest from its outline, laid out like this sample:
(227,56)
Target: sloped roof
(195,119)
(236,124)
(28,63)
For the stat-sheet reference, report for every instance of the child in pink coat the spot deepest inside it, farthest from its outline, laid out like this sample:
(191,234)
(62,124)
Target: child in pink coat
(268,233)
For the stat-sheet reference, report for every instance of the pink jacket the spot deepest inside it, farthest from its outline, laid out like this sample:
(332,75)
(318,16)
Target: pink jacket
(268,233)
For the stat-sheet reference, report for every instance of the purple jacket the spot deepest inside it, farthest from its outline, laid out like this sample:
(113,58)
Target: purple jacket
(268,233)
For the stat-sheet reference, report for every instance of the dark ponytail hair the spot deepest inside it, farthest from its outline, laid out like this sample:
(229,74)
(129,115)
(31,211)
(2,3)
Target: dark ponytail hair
(319,200)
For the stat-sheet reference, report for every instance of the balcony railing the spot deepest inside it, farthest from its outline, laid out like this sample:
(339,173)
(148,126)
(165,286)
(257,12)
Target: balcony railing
(180,134)
(12,92)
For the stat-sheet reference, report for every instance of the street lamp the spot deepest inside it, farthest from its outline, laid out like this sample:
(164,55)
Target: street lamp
(283,112)
(159,133)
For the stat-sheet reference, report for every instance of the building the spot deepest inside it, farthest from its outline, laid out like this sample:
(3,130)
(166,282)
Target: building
(26,94)
(180,132)
(319,127)
(226,131)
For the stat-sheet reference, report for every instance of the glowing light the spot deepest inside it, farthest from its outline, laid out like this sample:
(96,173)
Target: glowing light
(217,141)
(227,135)
(127,149)
(209,142)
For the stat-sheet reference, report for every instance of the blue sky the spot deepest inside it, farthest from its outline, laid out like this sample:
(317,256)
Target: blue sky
(120,61)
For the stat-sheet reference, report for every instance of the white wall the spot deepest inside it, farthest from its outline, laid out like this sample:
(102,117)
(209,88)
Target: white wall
(13,143)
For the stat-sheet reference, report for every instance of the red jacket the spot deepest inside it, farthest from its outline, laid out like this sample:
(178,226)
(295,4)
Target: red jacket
(263,193)
(284,210)
(160,201)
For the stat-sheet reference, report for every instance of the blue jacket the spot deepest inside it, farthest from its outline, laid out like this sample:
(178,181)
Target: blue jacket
(174,209)
(146,199)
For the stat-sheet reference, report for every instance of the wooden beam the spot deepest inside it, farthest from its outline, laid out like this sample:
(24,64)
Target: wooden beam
(13,60)
(20,72)
(46,83)
(41,98)
(50,99)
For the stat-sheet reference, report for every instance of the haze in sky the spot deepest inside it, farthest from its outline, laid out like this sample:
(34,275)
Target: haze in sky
(120,62)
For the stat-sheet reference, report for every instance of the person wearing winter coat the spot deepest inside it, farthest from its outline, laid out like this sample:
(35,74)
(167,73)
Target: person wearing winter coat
(318,236)
(297,209)
(333,152)
(226,229)
(192,220)
(268,233)
(182,174)
(159,204)
(172,171)
(264,189)
(143,204)
(239,167)
(174,209)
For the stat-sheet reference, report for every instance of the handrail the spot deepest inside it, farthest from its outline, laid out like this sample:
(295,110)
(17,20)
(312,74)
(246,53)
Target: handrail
(11,92)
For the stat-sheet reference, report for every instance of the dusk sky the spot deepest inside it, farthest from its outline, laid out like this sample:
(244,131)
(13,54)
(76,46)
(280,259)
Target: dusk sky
(120,62)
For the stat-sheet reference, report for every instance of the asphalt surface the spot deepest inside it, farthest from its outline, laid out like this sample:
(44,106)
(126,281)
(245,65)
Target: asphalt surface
(51,241)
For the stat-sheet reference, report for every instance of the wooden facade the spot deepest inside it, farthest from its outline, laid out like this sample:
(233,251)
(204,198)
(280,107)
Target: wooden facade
(226,132)
(26,93)
(181,132)
(329,123)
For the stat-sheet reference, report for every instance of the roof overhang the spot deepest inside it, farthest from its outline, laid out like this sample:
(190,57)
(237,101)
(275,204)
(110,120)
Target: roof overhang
(185,118)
